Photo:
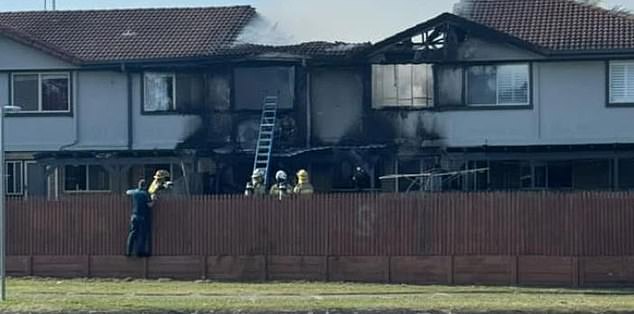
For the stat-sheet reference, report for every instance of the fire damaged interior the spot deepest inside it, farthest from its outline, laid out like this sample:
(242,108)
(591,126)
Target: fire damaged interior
(454,103)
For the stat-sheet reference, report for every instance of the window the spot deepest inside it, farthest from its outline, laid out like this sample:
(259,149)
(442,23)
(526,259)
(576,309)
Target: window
(621,82)
(253,84)
(498,84)
(86,178)
(402,85)
(449,85)
(13,179)
(159,92)
(41,92)
(147,172)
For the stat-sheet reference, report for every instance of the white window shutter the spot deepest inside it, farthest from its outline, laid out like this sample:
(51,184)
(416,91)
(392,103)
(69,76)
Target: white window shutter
(512,84)
(621,82)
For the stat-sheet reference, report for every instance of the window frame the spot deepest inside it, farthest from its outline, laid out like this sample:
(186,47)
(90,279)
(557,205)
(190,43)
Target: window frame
(172,111)
(87,190)
(19,165)
(497,87)
(67,74)
(608,84)
(431,101)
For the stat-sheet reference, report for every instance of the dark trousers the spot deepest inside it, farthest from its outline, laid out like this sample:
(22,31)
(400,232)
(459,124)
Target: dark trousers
(138,236)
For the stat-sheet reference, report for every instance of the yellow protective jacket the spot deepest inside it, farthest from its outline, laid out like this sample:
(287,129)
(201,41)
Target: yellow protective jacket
(303,188)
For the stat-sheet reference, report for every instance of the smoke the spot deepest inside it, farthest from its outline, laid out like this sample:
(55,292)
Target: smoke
(344,20)
(263,31)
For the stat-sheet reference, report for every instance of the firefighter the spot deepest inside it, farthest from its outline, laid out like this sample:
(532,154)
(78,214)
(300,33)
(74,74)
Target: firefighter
(303,183)
(281,187)
(160,183)
(256,185)
(139,230)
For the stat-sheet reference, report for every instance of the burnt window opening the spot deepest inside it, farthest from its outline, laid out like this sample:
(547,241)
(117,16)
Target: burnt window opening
(402,85)
(173,92)
(449,85)
(253,84)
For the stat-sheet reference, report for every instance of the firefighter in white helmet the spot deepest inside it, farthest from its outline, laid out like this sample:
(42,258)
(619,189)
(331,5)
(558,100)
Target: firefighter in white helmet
(303,183)
(256,185)
(281,188)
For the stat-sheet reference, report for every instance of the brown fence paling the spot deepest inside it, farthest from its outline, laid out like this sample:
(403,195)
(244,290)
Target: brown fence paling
(544,224)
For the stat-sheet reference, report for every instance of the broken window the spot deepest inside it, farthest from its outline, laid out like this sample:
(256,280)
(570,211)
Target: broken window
(159,92)
(41,92)
(86,178)
(171,92)
(190,91)
(449,83)
(498,84)
(252,85)
(402,85)
(621,82)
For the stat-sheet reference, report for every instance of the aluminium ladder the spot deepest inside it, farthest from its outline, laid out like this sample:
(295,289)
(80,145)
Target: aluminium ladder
(264,146)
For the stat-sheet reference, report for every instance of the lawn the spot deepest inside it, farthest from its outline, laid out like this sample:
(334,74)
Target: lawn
(52,295)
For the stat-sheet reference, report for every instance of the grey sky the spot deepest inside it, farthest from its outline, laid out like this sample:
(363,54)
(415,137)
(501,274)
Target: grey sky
(346,20)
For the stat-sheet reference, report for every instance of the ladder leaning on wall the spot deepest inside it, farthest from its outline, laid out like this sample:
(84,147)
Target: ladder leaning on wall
(264,145)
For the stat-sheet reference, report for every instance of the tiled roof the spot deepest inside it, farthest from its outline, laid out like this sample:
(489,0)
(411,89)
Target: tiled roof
(135,34)
(556,25)
(315,49)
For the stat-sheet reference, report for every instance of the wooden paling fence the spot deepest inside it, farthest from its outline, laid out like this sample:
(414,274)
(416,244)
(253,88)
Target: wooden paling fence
(514,238)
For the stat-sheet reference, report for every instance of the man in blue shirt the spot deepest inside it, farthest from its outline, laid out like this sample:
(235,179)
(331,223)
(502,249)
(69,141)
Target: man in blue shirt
(139,231)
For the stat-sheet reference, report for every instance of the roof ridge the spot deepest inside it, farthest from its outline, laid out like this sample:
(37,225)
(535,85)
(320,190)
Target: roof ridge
(599,8)
(463,7)
(131,9)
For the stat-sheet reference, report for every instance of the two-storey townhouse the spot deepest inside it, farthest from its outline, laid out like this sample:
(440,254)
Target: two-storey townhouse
(538,92)
(109,96)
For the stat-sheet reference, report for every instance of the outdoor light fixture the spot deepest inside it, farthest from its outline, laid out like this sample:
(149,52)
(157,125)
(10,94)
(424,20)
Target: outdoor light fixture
(3,223)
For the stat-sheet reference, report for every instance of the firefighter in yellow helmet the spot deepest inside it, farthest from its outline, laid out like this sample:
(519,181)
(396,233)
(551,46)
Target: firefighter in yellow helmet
(160,183)
(303,183)
(256,185)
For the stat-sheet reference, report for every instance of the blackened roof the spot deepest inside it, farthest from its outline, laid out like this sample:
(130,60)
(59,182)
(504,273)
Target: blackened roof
(315,49)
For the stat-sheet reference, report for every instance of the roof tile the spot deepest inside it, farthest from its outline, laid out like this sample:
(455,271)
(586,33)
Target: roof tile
(135,34)
(558,25)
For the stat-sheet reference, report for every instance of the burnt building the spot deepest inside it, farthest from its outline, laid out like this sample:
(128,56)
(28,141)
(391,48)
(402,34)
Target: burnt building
(531,91)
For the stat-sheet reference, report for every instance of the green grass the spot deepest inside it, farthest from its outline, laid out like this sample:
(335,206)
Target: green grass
(37,295)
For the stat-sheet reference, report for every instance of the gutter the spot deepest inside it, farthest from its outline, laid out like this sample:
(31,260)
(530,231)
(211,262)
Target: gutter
(309,123)
(75,110)
(130,100)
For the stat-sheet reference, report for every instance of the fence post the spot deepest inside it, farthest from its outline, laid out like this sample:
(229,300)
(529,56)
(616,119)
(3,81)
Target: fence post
(452,268)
